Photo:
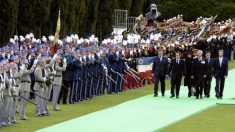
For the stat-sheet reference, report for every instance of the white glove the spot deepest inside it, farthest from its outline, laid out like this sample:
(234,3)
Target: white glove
(35,62)
(10,80)
(22,66)
(54,72)
(123,52)
(55,56)
(92,56)
(11,73)
(39,55)
(131,52)
(64,60)
(45,79)
(84,57)
(127,66)
(29,57)
(98,54)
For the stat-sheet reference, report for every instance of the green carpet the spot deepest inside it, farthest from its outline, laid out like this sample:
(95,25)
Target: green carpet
(145,114)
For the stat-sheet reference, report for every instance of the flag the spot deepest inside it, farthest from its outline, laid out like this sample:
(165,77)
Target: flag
(206,27)
(145,64)
(225,30)
(58,25)
(53,47)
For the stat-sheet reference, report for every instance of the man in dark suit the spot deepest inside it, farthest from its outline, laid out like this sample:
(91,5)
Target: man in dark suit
(209,74)
(221,72)
(199,68)
(177,70)
(159,69)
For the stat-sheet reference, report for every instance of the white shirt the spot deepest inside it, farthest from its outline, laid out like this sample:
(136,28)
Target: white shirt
(161,58)
(177,61)
(209,60)
(220,61)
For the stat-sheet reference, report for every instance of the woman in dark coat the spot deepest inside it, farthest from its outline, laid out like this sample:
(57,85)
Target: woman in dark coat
(188,81)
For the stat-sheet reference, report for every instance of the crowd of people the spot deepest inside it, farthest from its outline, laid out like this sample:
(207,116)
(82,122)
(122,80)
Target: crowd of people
(76,69)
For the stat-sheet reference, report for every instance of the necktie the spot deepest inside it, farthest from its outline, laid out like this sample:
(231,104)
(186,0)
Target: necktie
(220,62)
(43,73)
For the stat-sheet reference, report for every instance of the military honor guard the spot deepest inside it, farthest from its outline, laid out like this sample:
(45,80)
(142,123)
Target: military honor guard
(59,67)
(25,82)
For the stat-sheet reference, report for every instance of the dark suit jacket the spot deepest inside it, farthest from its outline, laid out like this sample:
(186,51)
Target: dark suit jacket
(199,68)
(160,68)
(221,71)
(210,67)
(188,69)
(176,70)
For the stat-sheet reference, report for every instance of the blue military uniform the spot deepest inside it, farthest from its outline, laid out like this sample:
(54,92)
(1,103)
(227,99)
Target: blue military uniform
(83,79)
(66,77)
(76,76)
(113,60)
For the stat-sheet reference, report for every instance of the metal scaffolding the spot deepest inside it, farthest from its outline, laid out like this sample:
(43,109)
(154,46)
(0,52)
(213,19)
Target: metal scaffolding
(122,20)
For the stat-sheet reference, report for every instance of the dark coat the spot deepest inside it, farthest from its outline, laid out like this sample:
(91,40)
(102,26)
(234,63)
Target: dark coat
(160,68)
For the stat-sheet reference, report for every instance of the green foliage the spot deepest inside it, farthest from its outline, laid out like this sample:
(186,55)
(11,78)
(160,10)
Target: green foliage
(8,18)
(95,16)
